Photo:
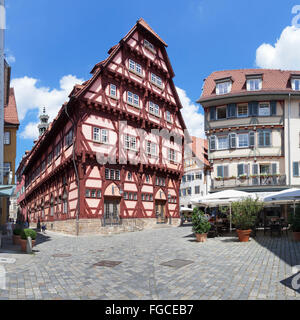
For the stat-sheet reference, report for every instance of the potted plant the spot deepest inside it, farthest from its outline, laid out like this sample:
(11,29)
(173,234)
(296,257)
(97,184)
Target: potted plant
(295,224)
(17,235)
(24,235)
(244,214)
(243,176)
(201,225)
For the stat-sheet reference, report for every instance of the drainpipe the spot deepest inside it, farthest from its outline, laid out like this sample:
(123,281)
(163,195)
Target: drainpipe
(76,172)
(289,139)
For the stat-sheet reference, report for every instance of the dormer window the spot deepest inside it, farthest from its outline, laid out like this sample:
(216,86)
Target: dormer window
(135,67)
(254,84)
(223,87)
(296,84)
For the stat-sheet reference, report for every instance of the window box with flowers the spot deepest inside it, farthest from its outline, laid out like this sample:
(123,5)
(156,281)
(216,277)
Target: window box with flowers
(243,177)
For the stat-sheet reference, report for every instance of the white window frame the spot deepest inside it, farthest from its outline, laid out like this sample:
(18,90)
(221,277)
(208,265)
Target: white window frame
(254,84)
(155,79)
(168,116)
(133,99)
(113,90)
(7,137)
(172,155)
(130,142)
(104,136)
(135,67)
(149,45)
(242,136)
(242,115)
(100,135)
(223,87)
(263,114)
(154,109)
(151,148)
(223,137)
(294,82)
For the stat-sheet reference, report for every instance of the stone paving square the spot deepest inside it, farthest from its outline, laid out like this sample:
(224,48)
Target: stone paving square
(220,269)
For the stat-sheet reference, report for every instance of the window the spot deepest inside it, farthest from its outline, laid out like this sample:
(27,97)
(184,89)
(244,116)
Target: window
(172,155)
(223,87)
(212,143)
(296,169)
(125,195)
(296,84)
(69,138)
(65,202)
(264,109)
(134,66)
(222,171)
(264,138)
(147,178)
(149,45)
(221,113)
(6,168)
(198,176)
(113,90)
(96,134)
(104,136)
(7,137)
(52,205)
(153,108)
(50,157)
(107,174)
(232,140)
(129,176)
(111,174)
(168,116)
(242,111)
(130,142)
(117,175)
(222,143)
(197,189)
(254,84)
(265,169)
(156,80)
(243,140)
(133,99)
(242,169)
(251,139)
(151,148)
(57,149)
(98,194)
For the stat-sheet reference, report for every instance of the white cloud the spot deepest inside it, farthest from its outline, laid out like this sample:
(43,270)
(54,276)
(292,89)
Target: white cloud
(284,54)
(30,97)
(10,59)
(194,120)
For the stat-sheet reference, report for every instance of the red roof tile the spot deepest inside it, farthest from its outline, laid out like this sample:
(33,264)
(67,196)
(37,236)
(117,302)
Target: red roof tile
(10,111)
(273,80)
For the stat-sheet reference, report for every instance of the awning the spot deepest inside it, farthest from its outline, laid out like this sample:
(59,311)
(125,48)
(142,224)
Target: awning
(7,190)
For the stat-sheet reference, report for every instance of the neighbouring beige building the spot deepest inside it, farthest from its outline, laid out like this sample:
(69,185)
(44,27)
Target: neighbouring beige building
(252,121)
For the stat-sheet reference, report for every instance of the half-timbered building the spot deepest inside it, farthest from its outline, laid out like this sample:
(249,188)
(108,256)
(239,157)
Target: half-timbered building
(112,159)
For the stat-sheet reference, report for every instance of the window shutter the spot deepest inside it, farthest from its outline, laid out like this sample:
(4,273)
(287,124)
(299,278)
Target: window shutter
(246,169)
(255,108)
(213,113)
(252,139)
(220,171)
(231,110)
(255,169)
(273,107)
(261,138)
(225,171)
(250,111)
(240,169)
(274,168)
(268,138)
(296,169)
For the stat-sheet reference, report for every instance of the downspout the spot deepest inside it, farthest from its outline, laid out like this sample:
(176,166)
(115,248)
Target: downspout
(76,172)
(289,139)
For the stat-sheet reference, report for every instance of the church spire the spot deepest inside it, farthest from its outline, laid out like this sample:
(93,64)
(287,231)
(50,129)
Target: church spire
(43,125)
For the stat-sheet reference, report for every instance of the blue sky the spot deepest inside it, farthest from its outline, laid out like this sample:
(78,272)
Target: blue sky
(51,44)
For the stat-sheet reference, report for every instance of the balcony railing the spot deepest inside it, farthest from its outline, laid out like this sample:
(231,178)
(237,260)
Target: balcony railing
(252,181)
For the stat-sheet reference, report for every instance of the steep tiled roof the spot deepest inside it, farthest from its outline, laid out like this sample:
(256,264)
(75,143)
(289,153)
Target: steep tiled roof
(272,81)
(143,23)
(10,111)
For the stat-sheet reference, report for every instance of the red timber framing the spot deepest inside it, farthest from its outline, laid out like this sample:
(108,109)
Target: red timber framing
(64,179)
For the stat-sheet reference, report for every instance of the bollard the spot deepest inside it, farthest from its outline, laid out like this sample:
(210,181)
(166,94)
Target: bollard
(29,245)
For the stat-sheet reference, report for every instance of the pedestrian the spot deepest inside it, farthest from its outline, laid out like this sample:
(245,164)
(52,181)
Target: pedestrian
(26,224)
(44,228)
(9,227)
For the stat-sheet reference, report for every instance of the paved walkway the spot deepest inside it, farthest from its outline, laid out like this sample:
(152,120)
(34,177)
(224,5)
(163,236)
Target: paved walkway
(63,267)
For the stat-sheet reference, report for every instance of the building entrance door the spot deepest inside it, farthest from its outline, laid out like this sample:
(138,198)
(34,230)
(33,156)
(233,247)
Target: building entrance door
(111,212)
(160,210)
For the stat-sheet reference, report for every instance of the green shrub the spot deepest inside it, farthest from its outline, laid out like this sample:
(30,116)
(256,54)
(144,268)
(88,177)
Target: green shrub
(28,233)
(244,213)
(17,231)
(200,223)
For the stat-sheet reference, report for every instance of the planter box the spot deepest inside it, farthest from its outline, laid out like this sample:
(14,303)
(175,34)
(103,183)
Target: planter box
(201,237)
(24,244)
(16,239)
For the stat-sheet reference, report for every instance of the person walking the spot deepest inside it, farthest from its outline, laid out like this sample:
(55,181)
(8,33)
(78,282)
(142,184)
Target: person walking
(9,227)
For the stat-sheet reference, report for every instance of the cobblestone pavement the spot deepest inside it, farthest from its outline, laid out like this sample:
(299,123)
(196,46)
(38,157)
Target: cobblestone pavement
(221,268)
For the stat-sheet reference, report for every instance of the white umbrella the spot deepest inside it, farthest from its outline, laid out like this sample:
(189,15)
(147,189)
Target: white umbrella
(292,194)
(185,209)
(225,197)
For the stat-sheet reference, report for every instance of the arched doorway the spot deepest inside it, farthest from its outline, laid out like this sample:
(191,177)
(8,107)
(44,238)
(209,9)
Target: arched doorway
(160,207)
(112,200)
